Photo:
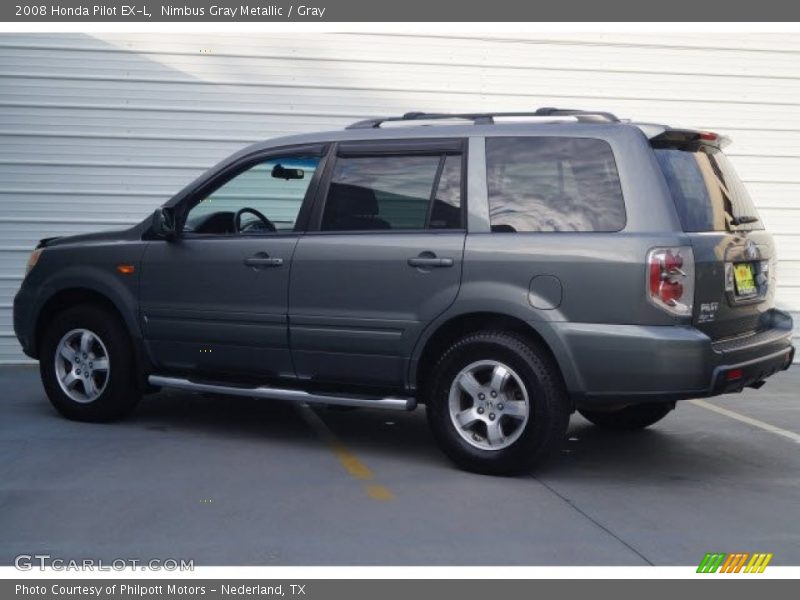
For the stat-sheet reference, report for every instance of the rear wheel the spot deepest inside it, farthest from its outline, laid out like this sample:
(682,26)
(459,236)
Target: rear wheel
(497,404)
(86,364)
(629,418)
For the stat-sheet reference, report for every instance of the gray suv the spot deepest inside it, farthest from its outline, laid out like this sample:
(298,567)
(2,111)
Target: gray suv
(504,269)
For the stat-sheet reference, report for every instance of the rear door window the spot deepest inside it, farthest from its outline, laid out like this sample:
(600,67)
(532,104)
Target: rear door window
(394,192)
(554,184)
(708,194)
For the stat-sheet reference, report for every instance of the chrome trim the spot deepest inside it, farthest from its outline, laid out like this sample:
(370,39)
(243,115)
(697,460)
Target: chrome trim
(389,402)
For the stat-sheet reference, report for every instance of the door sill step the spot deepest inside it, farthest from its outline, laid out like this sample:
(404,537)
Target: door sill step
(291,395)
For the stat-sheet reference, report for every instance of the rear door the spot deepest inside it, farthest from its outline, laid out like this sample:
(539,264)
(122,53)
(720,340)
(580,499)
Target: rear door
(734,256)
(384,261)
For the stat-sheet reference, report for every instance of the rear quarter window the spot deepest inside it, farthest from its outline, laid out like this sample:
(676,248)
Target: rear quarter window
(553,184)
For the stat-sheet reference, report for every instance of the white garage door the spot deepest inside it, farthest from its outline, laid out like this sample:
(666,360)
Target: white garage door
(97,130)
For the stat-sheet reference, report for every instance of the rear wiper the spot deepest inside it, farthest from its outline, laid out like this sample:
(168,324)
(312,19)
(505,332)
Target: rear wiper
(743,220)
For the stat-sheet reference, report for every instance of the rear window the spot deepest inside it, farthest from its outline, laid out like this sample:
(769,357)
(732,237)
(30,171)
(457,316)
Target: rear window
(708,194)
(553,184)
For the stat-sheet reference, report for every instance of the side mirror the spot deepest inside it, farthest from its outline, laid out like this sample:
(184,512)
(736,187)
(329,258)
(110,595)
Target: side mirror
(163,225)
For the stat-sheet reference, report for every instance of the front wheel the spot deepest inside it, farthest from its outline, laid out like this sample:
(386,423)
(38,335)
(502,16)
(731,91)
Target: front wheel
(630,418)
(87,366)
(497,404)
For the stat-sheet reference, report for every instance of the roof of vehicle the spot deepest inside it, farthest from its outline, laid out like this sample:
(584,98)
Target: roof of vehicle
(448,131)
(570,122)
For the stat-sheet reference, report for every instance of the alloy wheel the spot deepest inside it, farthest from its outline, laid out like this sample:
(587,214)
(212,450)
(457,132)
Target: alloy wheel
(82,365)
(489,405)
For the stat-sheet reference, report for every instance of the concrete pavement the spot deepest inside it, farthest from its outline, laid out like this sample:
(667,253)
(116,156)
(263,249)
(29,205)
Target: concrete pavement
(233,481)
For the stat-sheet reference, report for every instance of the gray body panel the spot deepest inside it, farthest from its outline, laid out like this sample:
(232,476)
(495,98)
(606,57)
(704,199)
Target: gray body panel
(346,308)
(204,309)
(356,306)
(88,264)
(711,251)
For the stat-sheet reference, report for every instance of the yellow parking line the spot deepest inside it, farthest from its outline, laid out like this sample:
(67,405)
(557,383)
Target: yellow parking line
(379,492)
(795,437)
(351,463)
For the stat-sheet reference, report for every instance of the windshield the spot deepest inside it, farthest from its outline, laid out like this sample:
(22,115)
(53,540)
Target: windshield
(708,194)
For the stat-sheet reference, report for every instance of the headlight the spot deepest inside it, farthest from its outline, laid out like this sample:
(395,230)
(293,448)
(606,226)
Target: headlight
(33,259)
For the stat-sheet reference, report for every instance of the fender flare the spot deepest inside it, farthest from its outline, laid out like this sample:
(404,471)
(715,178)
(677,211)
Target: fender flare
(96,280)
(544,329)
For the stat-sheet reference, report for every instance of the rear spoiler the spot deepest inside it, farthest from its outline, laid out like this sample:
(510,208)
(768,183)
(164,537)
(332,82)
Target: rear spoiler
(667,136)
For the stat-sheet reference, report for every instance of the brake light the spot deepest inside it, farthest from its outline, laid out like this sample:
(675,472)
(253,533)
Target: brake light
(670,279)
(709,136)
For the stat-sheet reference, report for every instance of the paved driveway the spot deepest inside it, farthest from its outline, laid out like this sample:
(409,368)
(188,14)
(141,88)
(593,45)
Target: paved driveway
(228,481)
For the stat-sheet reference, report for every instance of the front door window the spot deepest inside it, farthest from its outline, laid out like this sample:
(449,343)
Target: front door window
(263,199)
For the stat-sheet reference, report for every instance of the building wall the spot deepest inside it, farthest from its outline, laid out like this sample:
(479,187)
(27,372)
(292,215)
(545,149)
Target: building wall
(97,130)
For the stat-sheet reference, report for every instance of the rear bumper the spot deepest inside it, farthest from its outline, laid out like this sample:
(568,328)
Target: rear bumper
(626,364)
(735,377)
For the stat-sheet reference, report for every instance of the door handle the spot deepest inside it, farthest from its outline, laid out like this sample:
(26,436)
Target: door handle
(263,260)
(428,260)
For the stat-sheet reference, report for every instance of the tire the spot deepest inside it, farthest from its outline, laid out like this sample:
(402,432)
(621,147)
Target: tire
(493,438)
(115,392)
(630,418)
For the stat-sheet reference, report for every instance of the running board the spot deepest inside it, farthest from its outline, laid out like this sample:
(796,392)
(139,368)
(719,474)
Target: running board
(390,402)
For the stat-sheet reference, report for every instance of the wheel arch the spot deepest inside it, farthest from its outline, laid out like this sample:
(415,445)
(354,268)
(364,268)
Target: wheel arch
(75,295)
(66,298)
(444,334)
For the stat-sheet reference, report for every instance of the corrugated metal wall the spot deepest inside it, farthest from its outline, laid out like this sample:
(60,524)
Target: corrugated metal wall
(97,130)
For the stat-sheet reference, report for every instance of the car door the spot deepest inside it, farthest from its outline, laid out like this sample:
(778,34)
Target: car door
(214,300)
(381,260)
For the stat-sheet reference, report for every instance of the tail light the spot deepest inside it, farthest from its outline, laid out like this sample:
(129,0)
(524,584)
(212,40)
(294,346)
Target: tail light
(670,279)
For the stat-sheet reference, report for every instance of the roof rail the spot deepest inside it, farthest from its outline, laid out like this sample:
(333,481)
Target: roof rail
(487,118)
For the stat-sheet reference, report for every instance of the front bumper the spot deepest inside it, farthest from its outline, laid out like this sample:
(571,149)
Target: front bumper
(626,364)
(24,323)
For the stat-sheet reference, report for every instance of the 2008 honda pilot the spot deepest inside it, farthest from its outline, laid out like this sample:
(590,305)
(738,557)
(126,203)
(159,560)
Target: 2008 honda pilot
(503,269)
